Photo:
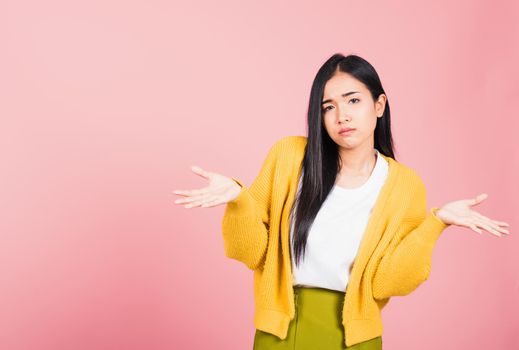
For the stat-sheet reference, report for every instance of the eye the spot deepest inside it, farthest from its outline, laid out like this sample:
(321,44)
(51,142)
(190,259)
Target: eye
(354,99)
(325,109)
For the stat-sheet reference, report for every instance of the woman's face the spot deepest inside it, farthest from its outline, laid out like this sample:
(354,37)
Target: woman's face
(348,103)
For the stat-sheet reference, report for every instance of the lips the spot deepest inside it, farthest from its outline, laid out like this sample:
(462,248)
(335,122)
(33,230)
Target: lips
(345,130)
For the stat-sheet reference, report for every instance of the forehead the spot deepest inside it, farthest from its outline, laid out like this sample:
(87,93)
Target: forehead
(342,83)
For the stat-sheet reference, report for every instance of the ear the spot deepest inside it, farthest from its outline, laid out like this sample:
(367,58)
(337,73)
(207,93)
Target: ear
(380,105)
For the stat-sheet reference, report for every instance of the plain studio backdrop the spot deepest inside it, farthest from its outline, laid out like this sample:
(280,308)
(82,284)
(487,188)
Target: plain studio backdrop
(105,105)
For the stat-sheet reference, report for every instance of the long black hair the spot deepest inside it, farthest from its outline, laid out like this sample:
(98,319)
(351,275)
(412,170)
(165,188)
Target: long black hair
(321,161)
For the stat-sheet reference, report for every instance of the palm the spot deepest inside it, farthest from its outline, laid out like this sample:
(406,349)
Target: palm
(460,213)
(220,190)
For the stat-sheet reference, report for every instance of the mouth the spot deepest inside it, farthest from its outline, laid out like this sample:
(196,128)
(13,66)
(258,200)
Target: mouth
(346,131)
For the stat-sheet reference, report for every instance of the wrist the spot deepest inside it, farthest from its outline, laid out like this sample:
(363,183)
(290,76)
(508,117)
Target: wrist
(440,214)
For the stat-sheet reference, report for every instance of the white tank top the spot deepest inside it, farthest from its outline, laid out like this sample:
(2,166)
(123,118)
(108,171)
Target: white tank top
(336,233)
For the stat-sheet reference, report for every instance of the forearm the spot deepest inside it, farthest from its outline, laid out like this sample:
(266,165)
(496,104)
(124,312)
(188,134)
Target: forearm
(408,263)
(245,232)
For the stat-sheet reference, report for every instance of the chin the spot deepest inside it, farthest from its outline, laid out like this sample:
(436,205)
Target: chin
(346,145)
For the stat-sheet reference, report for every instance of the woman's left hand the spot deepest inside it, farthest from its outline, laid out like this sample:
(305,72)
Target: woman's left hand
(459,213)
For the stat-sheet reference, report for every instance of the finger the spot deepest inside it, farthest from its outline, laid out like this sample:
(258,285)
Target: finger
(191,205)
(190,199)
(207,200)
(500,223)
(199,171)
(474,228)
(199,191)
(495,224)
(478,199)
(197,203)
(212,203)
(485,226)
(194,203)
(202,201)
(179,192)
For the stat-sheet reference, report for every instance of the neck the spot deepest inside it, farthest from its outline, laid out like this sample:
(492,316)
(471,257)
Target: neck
(357,162)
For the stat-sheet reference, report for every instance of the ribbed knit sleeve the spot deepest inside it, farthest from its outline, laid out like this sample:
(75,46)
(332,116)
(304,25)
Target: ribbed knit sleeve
(407,262)
(245,222)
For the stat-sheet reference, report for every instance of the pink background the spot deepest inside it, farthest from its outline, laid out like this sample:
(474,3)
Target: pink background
(105,105)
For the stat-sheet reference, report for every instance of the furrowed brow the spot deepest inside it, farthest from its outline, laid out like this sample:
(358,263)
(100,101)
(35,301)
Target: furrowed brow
(343,95)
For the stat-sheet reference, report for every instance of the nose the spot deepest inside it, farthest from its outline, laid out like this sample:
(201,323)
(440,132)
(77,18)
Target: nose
(343,114)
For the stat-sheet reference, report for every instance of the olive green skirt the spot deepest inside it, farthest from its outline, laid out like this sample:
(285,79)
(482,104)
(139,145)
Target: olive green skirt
(316,325)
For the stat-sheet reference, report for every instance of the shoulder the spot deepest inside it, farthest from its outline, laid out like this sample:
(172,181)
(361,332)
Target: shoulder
(292,141)
(286,153)
(411,179)
(289,144)
(411,192)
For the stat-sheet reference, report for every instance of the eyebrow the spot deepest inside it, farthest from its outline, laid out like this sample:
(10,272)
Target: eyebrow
(343,95)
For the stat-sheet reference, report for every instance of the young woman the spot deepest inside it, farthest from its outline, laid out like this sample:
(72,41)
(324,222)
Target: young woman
(333,225)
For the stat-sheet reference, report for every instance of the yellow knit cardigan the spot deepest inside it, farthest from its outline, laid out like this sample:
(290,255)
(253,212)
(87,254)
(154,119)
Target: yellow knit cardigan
(393,259)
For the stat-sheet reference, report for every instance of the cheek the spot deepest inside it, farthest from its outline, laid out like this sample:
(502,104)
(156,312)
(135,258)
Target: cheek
(330,125)
(327,122)
(373,122)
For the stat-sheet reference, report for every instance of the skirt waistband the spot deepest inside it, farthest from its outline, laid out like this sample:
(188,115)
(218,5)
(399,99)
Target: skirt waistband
(321,300)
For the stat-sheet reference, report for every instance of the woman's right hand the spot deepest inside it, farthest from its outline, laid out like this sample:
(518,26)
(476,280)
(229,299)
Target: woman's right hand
(221,189)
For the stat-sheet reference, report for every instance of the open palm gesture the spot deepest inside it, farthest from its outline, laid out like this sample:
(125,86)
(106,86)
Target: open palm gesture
(221,189)
(460,213)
